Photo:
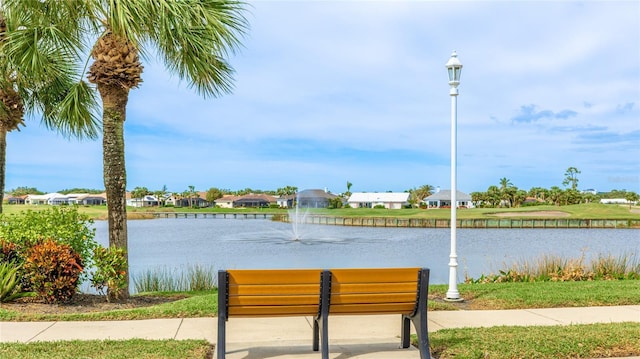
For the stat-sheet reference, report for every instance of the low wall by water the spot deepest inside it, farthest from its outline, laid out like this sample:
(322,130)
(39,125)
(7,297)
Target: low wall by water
(207,215)
(464,223)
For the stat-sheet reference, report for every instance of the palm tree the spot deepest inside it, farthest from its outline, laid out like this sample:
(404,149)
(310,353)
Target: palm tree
(192,38)
(37,74)
(348,193)
(191,193)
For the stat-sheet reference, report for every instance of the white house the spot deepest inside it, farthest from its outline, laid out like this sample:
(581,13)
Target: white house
(614,201)
(49,198)
(146,201)
(38,198)
(442,199)
(390,200)
(226,201)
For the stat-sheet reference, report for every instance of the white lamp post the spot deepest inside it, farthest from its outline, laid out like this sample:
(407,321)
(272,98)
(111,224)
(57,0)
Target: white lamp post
(454,67)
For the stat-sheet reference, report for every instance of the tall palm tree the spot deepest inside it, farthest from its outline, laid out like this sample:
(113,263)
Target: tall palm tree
(38,73)
(192,38)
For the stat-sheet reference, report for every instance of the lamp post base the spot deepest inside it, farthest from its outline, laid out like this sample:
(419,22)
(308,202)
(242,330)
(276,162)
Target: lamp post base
(454,300)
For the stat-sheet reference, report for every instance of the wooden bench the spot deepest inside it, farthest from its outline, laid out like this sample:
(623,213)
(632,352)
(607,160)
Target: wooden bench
(321,293)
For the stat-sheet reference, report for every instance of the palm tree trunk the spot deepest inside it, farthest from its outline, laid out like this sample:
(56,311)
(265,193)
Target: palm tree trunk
(114,100)
(3,163)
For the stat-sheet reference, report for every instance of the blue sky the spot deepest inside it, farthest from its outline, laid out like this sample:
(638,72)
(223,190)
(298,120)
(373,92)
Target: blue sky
(333,91)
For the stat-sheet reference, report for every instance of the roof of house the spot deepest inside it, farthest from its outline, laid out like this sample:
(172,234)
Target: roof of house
(386,197)
(315,193)
(257,196)
(445,195)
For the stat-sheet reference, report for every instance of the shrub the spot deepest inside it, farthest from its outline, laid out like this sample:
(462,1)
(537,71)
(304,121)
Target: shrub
(53,270)
(9,252)
(111,271)
(62,224)
(9,283)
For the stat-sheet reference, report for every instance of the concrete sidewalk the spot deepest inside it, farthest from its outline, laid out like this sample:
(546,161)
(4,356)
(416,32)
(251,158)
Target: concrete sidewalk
(349,336)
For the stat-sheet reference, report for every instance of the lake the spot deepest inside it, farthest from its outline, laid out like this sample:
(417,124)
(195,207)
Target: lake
(262,243)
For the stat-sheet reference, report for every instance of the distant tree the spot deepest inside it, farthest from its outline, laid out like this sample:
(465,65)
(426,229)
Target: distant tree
(571,178)
(242,192)
(493,196)
(417,195)
(160,195)
(555,195)
(479,199)
(23,191)
(191,194)
(335,202)
(507,191)
(81,190)
(139,192)
(213,194)
(286,191)
(632,198)
(615,193)
(538,193)
(504,183)
(347,194)
(519,197)
(588,197)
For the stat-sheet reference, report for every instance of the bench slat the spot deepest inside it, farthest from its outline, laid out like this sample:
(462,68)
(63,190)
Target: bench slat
(281,300)
(277,289)
(403,287)
(374,275)
(373,298)
(384,308)
(271,311)
(274,276)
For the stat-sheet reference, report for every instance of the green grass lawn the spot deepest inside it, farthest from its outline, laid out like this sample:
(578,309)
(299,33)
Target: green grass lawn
(109,349)
(554,342)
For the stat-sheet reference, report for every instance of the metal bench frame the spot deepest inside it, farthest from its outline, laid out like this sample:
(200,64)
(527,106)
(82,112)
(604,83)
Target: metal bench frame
(320,321)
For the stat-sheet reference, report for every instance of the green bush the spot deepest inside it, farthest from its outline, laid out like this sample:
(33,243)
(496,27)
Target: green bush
(62,224)
(9,283)
(53,270)
(9,252)
(110,276)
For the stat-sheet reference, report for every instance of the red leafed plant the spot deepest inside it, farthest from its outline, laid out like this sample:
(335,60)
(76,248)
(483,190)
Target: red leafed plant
(54,270)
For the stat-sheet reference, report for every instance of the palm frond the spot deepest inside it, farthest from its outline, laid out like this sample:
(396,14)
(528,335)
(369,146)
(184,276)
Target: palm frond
(76,114)
(193,38)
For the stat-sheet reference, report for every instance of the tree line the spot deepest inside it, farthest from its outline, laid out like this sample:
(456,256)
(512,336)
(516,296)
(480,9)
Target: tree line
(505,194)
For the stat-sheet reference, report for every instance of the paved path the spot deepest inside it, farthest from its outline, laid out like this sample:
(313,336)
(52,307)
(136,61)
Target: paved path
(375,337)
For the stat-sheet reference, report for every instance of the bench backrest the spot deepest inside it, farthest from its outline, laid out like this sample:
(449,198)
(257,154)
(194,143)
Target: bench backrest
(374,291)
(276,292)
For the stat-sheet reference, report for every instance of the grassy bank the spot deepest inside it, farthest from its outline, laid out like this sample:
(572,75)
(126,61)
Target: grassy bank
(581,211)
(96,349)
(477,296)
(556,342)
(559,342)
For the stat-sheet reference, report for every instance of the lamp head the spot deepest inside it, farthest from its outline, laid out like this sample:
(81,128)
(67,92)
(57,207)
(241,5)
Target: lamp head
(454,68)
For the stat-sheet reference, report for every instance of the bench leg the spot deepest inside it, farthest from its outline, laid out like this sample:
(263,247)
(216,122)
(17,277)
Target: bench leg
(220,345)
(321,336)
(405,336)
(321,322)
(419,318)
(222,314)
